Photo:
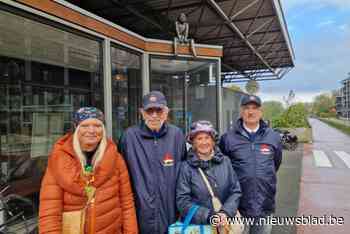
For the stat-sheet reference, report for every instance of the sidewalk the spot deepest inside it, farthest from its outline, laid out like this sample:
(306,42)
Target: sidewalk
(323,191)
(340,121)
(287,197)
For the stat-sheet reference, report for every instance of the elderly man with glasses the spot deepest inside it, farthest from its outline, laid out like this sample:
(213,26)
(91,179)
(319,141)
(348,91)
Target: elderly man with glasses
(153,151)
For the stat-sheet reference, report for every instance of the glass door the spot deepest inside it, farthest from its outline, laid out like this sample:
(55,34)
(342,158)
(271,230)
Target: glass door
(126,89)
(189,86)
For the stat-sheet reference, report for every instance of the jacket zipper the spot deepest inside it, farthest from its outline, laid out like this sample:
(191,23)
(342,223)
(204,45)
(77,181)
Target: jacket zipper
(157,209)
(255,159)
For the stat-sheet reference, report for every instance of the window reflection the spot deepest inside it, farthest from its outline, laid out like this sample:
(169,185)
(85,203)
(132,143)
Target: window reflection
(126,89)
(189,86)
(45,74)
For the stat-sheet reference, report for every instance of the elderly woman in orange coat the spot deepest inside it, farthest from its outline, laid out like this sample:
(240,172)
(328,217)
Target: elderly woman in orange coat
(86,175)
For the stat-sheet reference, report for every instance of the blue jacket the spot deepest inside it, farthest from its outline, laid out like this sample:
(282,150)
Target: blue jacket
(191,188)
(256,161)
(153,160)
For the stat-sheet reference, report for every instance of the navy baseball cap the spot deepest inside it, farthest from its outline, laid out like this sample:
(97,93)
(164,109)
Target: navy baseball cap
(154,99)
(250,99)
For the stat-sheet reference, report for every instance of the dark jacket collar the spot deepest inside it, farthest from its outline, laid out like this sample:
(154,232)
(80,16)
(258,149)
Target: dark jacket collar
(240,129)
(148,133)
(194,161)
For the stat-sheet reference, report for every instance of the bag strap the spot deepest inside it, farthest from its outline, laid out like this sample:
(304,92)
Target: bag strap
(206,182)
(214,199)
(189,217)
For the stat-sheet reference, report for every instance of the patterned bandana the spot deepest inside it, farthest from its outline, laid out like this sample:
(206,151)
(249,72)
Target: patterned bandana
(87,113)
(201,126)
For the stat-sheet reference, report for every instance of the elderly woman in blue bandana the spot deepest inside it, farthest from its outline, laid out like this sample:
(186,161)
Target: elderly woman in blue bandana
(86,187)
(207,179)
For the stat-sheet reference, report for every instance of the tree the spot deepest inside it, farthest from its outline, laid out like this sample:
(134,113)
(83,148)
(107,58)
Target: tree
(252,87)
(289,100)
(294,117)
(272,109)
(308,107)
(234,88)
(323,104)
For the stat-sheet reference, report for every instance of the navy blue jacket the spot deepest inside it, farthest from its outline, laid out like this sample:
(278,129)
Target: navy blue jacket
(256,161)
(191,188)
(153,161)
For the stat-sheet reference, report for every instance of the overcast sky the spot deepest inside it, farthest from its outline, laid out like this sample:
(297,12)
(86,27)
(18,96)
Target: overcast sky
(320,34)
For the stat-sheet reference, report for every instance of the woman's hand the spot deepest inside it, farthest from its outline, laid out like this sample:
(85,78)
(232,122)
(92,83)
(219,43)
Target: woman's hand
(223,218)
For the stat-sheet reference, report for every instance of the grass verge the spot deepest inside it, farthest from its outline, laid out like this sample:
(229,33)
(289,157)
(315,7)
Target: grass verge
(345,129)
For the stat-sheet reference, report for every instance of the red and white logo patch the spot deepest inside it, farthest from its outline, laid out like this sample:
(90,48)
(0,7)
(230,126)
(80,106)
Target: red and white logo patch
(153,99)
(265,149)
(168,160)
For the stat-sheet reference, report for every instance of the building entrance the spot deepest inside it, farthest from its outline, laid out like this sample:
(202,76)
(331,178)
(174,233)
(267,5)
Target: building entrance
(190,87)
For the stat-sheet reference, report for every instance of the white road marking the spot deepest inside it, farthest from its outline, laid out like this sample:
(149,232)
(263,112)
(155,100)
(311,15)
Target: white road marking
(344,156)
(321,159)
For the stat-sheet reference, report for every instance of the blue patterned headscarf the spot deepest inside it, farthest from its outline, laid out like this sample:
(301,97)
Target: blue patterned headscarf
(87,113)
(201,126)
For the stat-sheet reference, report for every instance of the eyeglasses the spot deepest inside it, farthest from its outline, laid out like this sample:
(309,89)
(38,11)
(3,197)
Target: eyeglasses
(158,111)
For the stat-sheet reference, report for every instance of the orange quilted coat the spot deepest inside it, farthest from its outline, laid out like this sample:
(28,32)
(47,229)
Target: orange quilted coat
(63,191)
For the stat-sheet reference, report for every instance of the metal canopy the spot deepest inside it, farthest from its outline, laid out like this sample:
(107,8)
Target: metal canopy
(253,33)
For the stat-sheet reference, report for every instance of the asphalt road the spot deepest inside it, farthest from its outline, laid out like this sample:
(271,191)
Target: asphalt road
(325,181)
(327,138)
(315,180)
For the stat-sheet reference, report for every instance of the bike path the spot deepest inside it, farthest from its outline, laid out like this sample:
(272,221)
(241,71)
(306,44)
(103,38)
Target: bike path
(325,180)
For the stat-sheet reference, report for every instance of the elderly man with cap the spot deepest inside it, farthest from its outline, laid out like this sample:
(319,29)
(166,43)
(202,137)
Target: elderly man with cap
(256,154)
(86,187)
(153,151)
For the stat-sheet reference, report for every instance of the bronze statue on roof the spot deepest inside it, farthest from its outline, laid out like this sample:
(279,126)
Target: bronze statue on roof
(182,28)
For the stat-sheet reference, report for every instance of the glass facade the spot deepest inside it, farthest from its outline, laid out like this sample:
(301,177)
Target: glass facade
(189,85)
(48,70)
(126,89)
(45,74)
(231,106)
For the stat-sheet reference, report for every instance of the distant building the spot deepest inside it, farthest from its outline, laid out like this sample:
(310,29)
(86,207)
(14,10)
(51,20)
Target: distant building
(343,99)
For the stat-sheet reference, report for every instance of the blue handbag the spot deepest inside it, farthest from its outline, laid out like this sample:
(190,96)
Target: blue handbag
(187,228)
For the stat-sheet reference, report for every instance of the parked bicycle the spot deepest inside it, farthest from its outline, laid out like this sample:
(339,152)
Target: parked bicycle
(289,140)
(13,212)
